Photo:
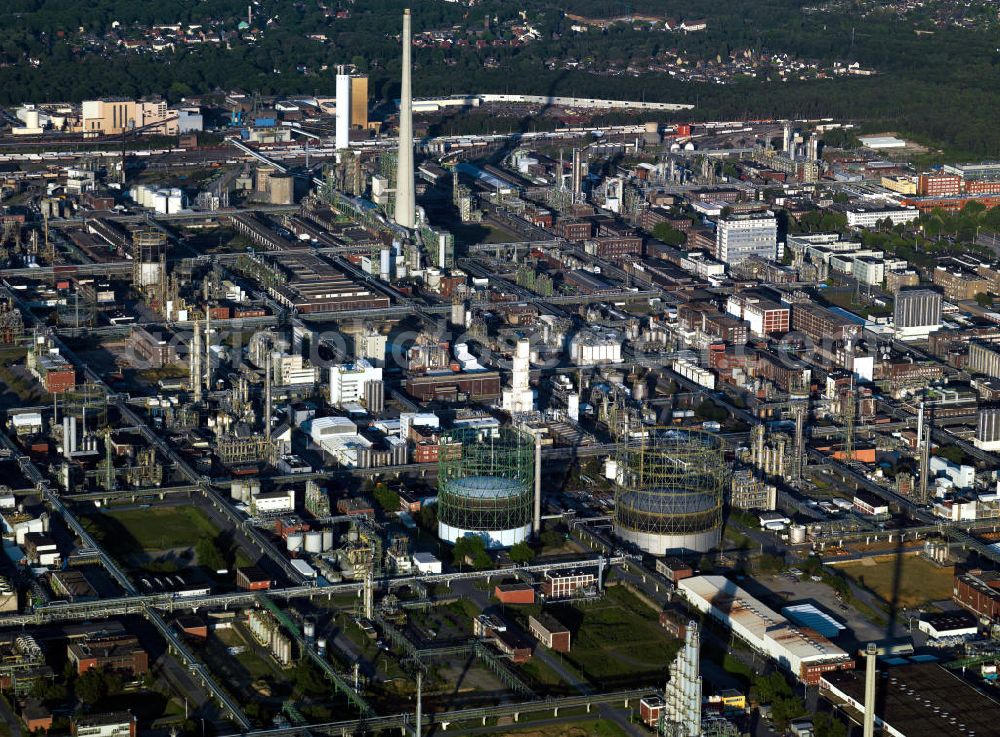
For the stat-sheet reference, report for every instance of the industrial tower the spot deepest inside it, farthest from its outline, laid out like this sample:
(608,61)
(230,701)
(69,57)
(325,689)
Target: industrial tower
(682,696)
(520,397)
(924,441)
(405,209)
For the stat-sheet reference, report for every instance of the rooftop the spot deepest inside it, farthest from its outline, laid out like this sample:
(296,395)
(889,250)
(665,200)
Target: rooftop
(923,700)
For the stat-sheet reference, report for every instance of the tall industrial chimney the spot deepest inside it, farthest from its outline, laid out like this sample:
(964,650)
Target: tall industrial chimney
(869,721)
(405,203)
(343,125)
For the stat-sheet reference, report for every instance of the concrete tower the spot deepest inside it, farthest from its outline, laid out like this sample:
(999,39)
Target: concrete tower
(520,398)
(405,203)
(343,128)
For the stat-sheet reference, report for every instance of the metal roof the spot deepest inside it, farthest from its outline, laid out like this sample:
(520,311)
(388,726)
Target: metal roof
(486,487)
(807,615)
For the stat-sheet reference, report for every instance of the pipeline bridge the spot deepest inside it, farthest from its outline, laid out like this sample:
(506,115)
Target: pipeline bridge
(136,603)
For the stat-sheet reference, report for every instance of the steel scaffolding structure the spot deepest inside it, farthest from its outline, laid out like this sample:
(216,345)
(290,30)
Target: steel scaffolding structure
(485,484)
(669,490)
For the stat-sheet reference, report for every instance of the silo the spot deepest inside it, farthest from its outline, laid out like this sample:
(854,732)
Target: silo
(314,542)
(669,491)
(327,539)
(797,534)
(309,629)
(294,542)
(321,646)
(486,485)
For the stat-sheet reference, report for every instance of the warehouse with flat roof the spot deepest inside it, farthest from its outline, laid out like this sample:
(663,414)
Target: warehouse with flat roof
(803,652)
(918,700)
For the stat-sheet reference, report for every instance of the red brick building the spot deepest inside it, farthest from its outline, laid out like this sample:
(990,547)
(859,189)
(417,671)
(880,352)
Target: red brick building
(938,185)
(252,578)
(515,593)
(453,387)
(123,654)
(564,584)
(550,632)
(979,592)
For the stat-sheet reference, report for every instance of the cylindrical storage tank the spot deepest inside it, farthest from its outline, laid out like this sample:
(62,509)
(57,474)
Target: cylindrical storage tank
(638,385)
(294,542)
(321,646)
(327,540)
(282,189)
(669,491)
(284,650)
(309,629)
(314,542)
(31,119)
(486,485)
(797,534)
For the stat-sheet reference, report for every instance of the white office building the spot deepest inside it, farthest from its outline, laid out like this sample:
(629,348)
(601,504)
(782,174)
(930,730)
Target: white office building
(869,271)
(742,235)
(347,381)
(870,215)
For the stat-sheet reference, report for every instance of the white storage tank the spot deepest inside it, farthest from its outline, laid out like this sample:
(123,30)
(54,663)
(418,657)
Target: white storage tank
(294,542)
(309,629)
(321,646)
(797,534)
(314,542)
(328,540)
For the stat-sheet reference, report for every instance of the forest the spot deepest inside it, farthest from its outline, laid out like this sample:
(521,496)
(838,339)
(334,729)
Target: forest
(939,88)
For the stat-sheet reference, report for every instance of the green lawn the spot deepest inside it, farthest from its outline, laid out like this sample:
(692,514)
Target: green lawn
(154,528)
(617,640)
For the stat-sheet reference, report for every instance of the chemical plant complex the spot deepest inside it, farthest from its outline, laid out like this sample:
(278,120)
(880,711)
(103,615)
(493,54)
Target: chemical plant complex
(317,422)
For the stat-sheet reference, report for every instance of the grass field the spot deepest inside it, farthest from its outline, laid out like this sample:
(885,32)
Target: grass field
(920,581)
(617,640)
(152,529)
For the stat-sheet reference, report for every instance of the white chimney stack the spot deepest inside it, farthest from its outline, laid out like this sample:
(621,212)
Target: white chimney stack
(405,201)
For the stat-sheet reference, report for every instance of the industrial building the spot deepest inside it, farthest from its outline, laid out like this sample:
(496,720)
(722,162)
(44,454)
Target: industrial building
(765,316)
(117,724)
(487,488)
(916,313)
(742,235)
(806,654)
(988,429)
(669,491)
(916,700)
(979,592)
(550,632)
(113,653)
(567,584)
